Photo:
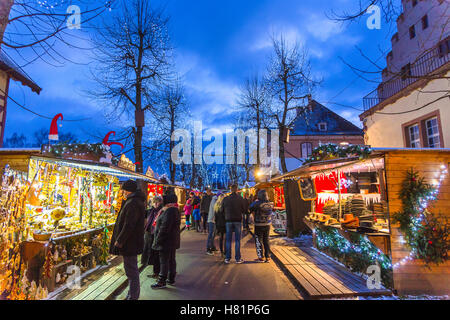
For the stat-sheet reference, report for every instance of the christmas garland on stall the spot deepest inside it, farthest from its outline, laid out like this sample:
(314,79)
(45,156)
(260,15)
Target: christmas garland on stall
(65,149)
(358,253)
(333,151)
(426,234)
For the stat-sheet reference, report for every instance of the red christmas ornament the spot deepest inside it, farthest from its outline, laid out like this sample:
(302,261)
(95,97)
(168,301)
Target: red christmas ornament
(430,242)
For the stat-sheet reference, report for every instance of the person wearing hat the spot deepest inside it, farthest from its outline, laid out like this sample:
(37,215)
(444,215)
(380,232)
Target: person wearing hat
(167,240)
(128,236)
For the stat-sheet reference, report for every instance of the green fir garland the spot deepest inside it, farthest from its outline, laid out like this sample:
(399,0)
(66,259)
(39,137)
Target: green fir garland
(357,254)
(427,235)
(333,151)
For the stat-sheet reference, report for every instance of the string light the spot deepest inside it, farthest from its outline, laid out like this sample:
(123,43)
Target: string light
(423,206)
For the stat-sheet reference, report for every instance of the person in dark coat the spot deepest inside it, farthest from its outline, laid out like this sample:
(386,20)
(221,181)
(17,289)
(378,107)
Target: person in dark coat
(263,213)
(167,240)
(233,207)
(246,216)
(204,208)
(128,236)
(150,256)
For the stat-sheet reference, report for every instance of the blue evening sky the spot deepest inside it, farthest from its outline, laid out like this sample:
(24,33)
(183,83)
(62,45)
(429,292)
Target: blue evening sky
(218,44)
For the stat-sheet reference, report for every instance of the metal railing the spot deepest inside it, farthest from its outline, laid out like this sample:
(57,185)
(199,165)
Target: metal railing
(423,66)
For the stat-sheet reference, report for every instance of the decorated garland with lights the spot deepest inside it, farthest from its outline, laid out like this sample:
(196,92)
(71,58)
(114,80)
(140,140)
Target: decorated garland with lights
(426,234)
(333,151)
(69,150)
(358,253)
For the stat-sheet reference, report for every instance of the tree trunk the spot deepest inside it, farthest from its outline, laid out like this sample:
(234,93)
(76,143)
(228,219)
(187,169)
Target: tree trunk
(172,166)
(282,154)
(138,150)
(5,8)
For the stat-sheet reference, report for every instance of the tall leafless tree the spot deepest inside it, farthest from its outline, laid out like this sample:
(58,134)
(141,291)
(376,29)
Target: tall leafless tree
(34,29)
(254,102)
(132,52)
(169,114)
(289,82)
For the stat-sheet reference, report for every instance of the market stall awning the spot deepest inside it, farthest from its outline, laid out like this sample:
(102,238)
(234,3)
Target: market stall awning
(99,167)
(329,165)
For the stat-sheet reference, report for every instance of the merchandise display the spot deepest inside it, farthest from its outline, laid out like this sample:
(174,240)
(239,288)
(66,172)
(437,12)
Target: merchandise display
(68,199)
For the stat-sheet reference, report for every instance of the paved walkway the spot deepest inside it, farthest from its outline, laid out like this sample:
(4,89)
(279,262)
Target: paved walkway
(206,277)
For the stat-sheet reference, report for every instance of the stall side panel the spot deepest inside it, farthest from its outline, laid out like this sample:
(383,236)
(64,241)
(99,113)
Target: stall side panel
(413,277)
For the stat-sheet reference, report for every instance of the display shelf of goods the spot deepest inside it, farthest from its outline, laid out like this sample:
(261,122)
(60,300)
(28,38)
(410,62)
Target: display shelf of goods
(356,252)
(66,200)
(14,283)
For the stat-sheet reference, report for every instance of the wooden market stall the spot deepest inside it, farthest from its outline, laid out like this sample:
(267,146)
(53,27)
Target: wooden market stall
(354,208)
(65,210)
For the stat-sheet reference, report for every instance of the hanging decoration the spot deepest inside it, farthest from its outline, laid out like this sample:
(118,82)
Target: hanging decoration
(426,234)
(332,151)
(108,143)
(53,133)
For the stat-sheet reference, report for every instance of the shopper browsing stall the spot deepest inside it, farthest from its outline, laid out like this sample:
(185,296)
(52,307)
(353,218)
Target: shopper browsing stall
(263,211)
(150,256)
(167,240)
(128,235)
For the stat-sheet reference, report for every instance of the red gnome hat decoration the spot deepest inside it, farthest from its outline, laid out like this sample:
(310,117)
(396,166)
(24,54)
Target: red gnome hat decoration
(108,143)
(53,135)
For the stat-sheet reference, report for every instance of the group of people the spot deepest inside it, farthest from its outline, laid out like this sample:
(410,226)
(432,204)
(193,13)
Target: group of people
(225,215)
(155,232)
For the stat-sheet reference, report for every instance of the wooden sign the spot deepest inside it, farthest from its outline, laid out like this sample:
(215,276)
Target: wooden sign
(126,163)
(307,189)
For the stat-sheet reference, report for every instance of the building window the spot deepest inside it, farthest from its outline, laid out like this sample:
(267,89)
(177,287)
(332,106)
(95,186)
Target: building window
(406,71)
(306,149)
(414,136)
(424,22)
(433,136)
(424,132)
(444,47)
(412,32)
(323,126)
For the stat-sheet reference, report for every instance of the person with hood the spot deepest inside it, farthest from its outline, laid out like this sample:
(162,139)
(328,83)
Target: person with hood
(204,208)
(128,235)
(167,240)
(196,213)
(150,256)
(262,209)
(210,247)
(188,208)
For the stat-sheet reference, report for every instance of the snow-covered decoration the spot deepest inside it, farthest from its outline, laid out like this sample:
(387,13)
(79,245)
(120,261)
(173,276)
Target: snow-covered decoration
(165,178)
